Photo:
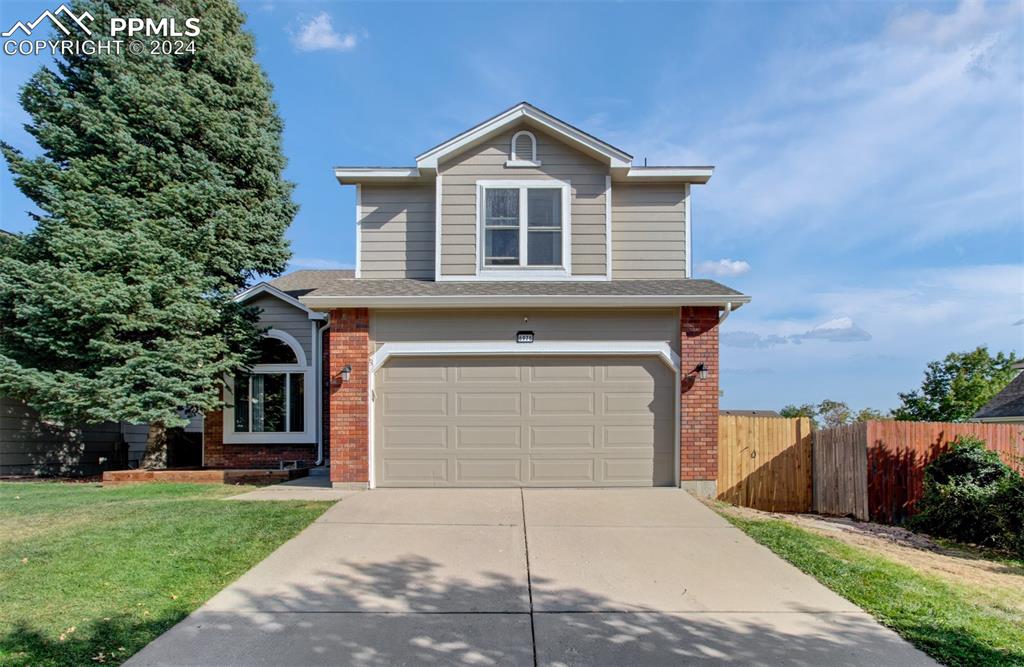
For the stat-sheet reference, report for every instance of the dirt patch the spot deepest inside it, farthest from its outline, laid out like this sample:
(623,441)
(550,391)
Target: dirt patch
(1003,579)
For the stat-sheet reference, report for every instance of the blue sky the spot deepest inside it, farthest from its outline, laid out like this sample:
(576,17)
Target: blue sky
(869,190)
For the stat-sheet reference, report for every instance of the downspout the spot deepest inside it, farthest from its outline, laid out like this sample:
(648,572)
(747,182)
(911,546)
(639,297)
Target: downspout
(319,357)
(725,312)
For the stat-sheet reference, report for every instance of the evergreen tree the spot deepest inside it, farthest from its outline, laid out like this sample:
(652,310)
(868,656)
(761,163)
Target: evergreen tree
(160,195)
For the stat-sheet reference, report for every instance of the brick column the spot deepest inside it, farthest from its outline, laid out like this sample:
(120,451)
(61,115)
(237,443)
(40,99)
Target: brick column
(349,416)
(698,428)
(213,439)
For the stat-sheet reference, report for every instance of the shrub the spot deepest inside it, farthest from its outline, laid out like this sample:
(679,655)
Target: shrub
(1008,507)
(970,495)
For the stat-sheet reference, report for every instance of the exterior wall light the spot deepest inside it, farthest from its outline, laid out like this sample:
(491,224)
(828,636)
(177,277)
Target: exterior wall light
(702,371)
(346,373)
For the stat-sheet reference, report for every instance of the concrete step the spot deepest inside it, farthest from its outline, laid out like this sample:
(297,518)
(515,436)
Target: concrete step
(321,471)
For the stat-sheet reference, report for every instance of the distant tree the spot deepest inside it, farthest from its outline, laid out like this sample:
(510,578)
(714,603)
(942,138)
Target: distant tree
(870,414)
(956,387)
(161,194)
(808,410)
(834,413)
(829,413)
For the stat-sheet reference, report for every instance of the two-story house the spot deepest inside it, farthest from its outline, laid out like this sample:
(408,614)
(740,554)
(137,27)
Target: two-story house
(522,313)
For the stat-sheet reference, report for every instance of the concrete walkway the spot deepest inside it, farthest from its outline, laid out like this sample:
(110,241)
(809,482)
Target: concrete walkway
(312,487)
(510,577)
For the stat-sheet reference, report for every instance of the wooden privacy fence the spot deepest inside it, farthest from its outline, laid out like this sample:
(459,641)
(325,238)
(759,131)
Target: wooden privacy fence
(875,470)
(898,452)
(765,462)
(840,471)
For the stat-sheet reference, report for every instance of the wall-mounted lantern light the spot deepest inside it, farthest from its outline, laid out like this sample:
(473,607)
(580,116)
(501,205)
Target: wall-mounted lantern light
(346,373)
(702,371)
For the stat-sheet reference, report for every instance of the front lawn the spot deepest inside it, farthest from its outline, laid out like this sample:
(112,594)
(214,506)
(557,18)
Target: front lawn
(90,575)
(957,624)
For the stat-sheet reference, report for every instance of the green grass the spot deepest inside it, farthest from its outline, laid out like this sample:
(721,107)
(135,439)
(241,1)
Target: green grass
(121,565)
(955,624)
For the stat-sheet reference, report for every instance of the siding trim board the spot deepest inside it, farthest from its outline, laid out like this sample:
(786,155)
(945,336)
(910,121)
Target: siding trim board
(510,348)
(608,225)
(359,231)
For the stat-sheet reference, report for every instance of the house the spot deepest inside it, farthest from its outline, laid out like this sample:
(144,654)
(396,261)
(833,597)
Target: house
(522,313)
(1006,407)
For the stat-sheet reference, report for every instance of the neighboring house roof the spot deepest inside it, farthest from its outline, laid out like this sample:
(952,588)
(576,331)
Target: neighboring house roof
(619,162)
(336,289)
(1006,405)
(748,413)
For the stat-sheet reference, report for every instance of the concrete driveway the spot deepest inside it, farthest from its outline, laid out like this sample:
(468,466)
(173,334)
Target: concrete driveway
(551,577)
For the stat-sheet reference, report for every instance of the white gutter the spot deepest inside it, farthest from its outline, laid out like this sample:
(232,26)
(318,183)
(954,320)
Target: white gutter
(725,312)
(523,301)
(318,362)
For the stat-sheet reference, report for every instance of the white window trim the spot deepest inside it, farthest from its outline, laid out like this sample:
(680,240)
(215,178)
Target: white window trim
(308,434)
(524,272)
(516,160)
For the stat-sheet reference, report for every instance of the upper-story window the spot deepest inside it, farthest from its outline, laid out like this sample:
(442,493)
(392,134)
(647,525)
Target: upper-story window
(523,150)
(523,224)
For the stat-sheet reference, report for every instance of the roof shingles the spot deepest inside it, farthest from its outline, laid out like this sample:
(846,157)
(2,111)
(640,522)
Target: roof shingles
(1007,403)
(342,284)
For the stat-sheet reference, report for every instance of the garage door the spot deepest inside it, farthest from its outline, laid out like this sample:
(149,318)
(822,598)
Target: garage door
(521,421)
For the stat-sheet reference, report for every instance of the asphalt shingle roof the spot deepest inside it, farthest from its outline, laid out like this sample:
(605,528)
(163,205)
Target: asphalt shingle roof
(1007,403)
(342,283)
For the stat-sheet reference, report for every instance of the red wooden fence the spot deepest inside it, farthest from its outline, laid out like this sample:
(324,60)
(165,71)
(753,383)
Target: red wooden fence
(898,452)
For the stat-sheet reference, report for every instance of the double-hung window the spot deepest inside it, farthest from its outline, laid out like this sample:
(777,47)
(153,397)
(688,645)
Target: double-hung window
(523,224)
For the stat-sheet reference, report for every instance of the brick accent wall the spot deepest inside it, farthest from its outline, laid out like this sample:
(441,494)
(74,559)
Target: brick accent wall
(217,454)
(349,416)
(698,428)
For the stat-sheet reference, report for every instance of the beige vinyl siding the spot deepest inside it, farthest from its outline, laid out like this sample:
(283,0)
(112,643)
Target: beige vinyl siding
(487,161)
(648,231)
(396,231)
(655,324)
(277,314)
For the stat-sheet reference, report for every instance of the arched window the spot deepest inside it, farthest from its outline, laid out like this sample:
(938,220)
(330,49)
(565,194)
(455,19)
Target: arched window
(271,398)
(523,150)
(275,351)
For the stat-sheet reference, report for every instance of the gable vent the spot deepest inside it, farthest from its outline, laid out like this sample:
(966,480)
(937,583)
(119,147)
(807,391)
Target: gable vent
(523,151)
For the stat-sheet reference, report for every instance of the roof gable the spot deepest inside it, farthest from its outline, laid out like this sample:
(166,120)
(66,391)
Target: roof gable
(265,288)
(525,112)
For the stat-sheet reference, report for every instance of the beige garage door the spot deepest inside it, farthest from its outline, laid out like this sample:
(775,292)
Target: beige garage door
(519,421)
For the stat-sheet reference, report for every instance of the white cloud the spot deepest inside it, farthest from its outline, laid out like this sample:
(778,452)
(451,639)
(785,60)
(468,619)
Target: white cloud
(318,34)
(316,263)
(724,267)
(861,126)
(838,330)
